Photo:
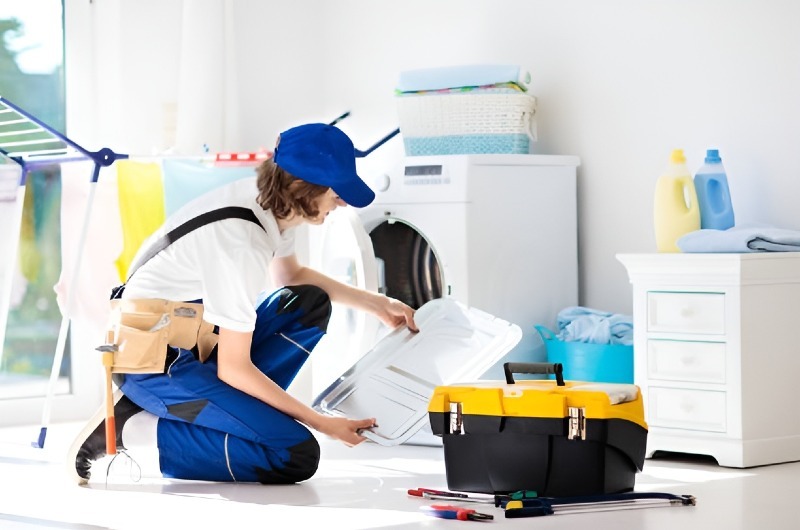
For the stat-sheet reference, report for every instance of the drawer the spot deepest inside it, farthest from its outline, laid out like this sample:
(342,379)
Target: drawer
(676,360)
(701,313)
(698,410)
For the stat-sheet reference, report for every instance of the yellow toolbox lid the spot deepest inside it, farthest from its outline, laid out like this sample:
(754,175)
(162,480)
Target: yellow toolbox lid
(542,399)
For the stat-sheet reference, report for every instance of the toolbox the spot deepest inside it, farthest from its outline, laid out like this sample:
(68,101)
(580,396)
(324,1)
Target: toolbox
(394,381)
(558,438)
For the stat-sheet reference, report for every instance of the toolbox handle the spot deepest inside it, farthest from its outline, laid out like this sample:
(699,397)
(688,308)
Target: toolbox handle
(534,368)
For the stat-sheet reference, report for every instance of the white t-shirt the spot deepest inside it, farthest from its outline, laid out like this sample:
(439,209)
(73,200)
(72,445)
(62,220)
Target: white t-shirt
(225,263)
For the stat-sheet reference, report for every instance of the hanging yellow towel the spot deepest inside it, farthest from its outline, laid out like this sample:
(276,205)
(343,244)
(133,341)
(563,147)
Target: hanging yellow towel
(141,207)
(30,259)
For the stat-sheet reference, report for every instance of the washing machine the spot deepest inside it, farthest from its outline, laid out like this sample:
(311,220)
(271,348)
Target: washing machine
(496,232)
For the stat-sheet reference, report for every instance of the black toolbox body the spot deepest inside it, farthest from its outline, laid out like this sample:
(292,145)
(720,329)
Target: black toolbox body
(558,440)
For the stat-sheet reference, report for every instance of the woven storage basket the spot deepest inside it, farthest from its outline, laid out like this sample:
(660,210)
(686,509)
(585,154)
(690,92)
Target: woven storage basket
(465,123)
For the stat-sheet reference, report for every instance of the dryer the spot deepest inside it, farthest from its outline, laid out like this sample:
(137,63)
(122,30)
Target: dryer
(496,232)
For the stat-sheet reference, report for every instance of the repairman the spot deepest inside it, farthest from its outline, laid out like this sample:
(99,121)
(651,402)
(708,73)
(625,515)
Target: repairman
(225,415)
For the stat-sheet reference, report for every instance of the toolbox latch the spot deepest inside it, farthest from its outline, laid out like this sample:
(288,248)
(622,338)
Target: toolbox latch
(456,420)
(577,423)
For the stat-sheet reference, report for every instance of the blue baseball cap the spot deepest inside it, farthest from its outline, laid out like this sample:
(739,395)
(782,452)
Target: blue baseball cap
(322,154)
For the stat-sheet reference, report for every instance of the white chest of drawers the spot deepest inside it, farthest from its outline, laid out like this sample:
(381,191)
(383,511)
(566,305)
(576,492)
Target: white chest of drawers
(717,353)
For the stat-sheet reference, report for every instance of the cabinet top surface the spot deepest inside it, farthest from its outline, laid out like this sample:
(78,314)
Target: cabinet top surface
(754,267)
(698,256)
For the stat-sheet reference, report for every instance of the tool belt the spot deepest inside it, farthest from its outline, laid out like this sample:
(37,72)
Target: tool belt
(143,329)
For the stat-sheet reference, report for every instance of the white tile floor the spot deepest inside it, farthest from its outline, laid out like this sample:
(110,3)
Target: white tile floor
(361,487)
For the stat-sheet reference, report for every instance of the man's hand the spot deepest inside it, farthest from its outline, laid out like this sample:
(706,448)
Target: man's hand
(395,313)
(344,429)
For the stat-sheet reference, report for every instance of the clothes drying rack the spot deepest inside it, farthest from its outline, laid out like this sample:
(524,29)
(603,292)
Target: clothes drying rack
(44,146)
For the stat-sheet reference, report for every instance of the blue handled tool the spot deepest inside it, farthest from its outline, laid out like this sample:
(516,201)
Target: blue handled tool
(536,507)
(446,511)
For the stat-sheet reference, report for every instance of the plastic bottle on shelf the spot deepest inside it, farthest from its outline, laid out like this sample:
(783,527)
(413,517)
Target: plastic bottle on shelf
(713,193)
(675,211)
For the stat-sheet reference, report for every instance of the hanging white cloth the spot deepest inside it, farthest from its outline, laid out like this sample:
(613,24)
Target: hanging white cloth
(207,111)
(103,244)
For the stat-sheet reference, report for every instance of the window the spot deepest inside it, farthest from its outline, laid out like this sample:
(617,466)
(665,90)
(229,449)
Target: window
(31,77)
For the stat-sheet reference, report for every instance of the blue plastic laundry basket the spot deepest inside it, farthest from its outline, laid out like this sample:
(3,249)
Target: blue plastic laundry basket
(582,361)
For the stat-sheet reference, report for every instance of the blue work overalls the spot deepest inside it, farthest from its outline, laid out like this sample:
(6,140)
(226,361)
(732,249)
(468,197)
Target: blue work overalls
(208,430)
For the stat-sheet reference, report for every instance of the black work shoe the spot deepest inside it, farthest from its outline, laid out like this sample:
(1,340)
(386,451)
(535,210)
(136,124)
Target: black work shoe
(90,444)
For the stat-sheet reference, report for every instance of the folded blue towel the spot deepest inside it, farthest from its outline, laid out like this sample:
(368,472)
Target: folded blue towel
(581,324)
(750,238)
(462,76)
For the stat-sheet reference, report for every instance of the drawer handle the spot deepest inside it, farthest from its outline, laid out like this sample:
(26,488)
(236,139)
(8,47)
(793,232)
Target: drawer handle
(687,312)
(688,361)
(687,406)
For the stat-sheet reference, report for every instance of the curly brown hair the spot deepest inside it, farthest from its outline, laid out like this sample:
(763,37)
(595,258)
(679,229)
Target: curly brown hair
(285,194)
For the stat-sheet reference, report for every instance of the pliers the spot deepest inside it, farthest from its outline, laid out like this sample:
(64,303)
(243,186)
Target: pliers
(446,511)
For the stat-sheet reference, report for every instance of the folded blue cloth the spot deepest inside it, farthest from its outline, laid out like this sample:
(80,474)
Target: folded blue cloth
(581,324)
(748,238)
(462,76)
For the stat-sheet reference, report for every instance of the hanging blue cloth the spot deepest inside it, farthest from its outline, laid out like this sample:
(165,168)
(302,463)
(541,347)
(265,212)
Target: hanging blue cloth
(582,324)
(185,180)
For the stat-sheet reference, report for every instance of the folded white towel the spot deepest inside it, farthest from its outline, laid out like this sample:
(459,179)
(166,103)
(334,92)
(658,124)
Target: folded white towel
(463,76)
(747,238)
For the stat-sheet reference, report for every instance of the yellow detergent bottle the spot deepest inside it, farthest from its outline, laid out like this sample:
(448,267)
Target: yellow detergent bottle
(675,210)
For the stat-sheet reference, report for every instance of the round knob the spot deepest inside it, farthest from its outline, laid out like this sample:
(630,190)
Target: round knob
(381,182)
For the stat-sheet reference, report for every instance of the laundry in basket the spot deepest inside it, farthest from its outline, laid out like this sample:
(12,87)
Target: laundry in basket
(466,110)
(592,345)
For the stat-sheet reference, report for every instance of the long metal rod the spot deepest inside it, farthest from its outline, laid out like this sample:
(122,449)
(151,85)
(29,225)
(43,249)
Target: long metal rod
(538,507)
(63,331)
(22,132)
(360,153)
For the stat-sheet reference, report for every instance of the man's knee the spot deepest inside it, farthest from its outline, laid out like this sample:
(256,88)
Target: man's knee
(302,464)
(313,302)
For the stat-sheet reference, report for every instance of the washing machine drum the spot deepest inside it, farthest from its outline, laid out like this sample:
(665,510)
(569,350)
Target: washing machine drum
(411,271)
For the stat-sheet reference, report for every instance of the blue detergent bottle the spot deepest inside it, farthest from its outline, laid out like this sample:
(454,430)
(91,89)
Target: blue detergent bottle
(713,193)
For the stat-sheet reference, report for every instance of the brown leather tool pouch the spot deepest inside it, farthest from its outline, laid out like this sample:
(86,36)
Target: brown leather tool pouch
(142,329)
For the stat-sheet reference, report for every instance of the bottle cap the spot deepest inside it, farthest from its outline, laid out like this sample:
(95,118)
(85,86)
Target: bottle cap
(712,156)
(677,156)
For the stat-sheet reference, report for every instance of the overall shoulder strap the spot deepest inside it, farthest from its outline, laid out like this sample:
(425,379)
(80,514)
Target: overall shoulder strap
(228,212)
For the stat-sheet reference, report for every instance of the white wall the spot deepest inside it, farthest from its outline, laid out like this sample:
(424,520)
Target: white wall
(620,83)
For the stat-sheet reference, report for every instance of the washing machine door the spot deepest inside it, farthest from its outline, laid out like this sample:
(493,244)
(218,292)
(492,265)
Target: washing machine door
(344,252)
(408,266)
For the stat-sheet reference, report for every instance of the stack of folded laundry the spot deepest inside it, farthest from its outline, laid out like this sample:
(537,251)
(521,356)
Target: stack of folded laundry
(466,109)
(741,239)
